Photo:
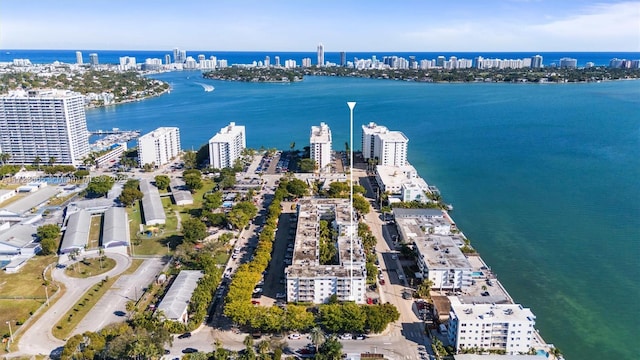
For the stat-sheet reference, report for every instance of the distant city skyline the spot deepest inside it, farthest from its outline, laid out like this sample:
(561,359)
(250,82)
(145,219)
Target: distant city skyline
(502,25)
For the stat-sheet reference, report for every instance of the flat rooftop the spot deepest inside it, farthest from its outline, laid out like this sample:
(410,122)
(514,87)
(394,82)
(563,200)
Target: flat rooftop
(320,134)
(497,313)
(32,200)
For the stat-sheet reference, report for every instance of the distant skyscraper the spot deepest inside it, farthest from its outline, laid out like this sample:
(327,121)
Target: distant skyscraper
(93,59)
(167,59)
(320,55)
(536,62)
(179,56)
(343,58)
(320,148)
(277,61)
(267,61)
(440,60)
(79,57)
(568,63)
(226,146)
(159,146)
(44,125)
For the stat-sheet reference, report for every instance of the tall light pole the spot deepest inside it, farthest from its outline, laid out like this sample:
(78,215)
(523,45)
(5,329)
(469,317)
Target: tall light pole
(46,292)
(351,104)
(10,332)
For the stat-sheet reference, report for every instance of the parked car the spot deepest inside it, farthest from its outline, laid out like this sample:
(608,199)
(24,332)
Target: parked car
(346,337)
(184,336)
(360,337)
(294,336)
(189,350)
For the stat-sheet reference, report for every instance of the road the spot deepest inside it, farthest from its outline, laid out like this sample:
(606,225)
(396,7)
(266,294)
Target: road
(38,339)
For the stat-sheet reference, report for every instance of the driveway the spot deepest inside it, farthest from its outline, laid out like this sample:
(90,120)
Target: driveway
(38,339)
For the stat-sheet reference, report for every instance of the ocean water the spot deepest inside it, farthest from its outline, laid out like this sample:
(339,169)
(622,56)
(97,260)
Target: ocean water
(543,177)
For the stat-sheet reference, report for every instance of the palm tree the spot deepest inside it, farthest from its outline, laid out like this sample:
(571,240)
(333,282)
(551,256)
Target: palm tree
(317,337)
(52,160)
(37,162)
(4,157)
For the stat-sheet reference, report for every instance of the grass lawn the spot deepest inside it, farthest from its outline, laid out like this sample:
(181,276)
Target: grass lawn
(90,267)
(28,281)
(88,300)
(94,232)
(16,311)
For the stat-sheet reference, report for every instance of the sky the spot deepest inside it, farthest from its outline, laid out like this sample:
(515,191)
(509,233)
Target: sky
(341,25)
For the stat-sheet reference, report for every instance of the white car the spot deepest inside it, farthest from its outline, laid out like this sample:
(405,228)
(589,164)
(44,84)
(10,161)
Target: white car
(294,336)
(346,337)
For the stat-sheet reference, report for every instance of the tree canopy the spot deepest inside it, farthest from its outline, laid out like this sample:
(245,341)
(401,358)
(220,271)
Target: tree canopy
(100,185)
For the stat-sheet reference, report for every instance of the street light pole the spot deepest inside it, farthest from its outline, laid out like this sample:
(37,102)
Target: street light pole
(46,292)
(351,105)
(10,332)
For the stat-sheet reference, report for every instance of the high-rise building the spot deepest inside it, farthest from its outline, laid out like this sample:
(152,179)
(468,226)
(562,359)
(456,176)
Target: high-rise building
(267,61)
(386,147)
(79,57)
(179,56)
(320,140)
(167,59)
(568,63)
(159,146)
(320,54)
(43,125)
(277,58)
(343,58)
(93,59)
(226,146)
(536,62)
(128,63)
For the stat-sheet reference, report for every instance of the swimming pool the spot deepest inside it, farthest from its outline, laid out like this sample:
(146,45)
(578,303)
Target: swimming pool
(541,352)
(4,263)
(477,274)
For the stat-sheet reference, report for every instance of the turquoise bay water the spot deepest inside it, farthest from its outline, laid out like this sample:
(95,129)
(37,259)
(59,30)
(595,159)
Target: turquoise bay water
(544,178)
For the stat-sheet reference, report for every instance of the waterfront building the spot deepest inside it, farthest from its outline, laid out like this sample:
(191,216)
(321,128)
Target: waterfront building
(227,145)
(167,59)
(320,55)
(40,125)
(79,57)
(111,155)
(306,62)
(308,280)
(175,304)
(93,59)
(492,327)
(536,61)
(343,58)
(568,63)
(277,59)
(384,146)
(290,64)
(159,146)
(320,148)
(437,245)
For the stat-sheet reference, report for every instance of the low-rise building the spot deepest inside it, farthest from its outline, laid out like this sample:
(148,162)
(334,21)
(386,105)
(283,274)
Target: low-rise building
(111,156)
(16,240)
(175,303)
(307,279)
(437,245)
(492,327)
(151,204)
(6,195)
(76,233)
(115,228)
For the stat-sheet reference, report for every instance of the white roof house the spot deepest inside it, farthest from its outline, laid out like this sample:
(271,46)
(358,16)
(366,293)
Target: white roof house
(175,303)
(76,235)
(16,239)
(151,204)
(115,228)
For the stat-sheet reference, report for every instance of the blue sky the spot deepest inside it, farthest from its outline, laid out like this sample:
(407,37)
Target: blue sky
(283,25)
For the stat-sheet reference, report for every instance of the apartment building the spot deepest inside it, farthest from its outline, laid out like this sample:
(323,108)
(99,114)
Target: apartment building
(227,145)
(159,147)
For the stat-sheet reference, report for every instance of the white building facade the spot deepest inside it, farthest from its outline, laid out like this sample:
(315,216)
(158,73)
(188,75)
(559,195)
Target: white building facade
(309,281)
(496,327)
(159,146)
(320,147)
(43,124)
(387,147)
(226,146)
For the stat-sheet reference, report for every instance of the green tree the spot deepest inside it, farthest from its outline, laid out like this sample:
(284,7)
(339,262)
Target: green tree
(81,173)
(194,230)
(4,158)
(37,161)
(202,155)
(162,182)
(49,231)
(193,182)
(189,159)
(307,165)
(317,337)
(361,204)
(331,349)
(100,185)
(52,160)
(129,196)
(212,200)
(297,187)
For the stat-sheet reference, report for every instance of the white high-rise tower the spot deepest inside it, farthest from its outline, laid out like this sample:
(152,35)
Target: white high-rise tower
(43,125)
(226,146)
(320,140)
(320,54)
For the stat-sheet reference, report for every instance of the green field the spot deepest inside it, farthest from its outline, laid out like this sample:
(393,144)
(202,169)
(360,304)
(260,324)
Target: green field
(90,267)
